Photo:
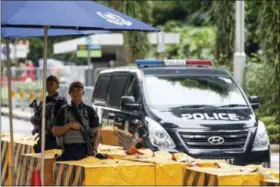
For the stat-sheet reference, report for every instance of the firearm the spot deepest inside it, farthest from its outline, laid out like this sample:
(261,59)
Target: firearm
(87,131)
(88,137)
(37,117)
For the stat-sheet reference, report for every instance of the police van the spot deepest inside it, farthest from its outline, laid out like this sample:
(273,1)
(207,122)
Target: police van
(183,106)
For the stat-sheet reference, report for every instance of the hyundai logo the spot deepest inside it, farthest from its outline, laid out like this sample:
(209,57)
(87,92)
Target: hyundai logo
(216,140)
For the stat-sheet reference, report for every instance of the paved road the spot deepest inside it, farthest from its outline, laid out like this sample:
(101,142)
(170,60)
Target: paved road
(20,126)
(25,127)
(275,161)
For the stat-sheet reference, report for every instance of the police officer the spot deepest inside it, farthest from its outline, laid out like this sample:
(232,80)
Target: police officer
(53,104)
(72,122)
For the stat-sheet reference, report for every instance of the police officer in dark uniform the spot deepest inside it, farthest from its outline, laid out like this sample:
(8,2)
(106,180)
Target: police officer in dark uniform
(70,131)
(53,104)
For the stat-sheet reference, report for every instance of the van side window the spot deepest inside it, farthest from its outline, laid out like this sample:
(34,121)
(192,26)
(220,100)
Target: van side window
(133,89)
(101,88)
(116,90)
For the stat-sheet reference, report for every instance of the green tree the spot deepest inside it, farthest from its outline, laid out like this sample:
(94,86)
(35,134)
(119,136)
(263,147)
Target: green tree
(136,44)
(224,13)
(195,42)
(270,43)
(252,12)
(196,13)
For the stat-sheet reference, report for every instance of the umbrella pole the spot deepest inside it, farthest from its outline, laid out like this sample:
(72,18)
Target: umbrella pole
(44,103)
(12,156)
(0,96)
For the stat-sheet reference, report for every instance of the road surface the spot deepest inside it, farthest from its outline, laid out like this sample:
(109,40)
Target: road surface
(25,127)
(20,126)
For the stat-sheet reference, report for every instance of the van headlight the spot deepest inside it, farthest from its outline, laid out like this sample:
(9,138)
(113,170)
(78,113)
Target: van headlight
(261,141)
(158,135)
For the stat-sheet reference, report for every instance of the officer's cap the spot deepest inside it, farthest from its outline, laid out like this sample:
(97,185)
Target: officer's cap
(53,78)
(76,84)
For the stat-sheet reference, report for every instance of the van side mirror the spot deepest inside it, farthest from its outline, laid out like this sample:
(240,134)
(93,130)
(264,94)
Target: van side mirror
(128,103)
(255,102)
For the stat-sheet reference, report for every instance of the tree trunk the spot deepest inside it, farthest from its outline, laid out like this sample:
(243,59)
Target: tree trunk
(126,48)
(116,5)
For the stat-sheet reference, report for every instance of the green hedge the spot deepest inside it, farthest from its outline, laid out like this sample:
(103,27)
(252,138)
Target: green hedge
(272,128)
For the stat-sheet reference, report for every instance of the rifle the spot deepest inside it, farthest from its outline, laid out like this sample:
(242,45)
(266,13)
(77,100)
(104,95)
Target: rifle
(37,124)
(87,131)
(37,117)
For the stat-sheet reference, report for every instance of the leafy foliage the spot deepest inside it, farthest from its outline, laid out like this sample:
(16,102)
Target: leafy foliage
(258,82)
(136,43)
(272,128)
(258,78)
(224,12)
(196,42)
(270,42)
(195,13)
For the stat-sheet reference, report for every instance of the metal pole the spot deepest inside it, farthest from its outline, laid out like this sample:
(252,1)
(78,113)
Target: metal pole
(239,59)
(0,95)
(89,77)
(44,102)
(15,50)
(11,113)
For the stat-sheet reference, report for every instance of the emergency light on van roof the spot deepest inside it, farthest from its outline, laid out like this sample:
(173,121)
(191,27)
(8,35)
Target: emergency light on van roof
(150,63)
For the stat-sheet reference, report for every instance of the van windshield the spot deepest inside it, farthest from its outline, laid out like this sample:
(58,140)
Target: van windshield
(193,91)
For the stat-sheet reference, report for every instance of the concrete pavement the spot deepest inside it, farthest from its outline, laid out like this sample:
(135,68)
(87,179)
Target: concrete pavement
(18,113)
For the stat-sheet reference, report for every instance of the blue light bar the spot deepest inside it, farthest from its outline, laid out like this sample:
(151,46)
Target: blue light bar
(149,63)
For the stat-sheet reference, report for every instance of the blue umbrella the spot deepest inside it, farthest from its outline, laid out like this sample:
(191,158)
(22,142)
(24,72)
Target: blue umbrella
(82,15)
(12,32)
(79,15)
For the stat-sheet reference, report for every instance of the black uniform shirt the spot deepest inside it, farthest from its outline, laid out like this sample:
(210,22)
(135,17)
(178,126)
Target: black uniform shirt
(91,113)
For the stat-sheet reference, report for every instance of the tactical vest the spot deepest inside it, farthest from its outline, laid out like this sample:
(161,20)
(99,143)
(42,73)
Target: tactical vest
(73,136)
(50,116)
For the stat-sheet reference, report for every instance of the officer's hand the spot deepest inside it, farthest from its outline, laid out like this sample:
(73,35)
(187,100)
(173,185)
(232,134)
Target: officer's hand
(76,126)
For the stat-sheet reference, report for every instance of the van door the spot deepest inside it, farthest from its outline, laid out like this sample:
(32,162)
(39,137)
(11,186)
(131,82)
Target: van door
(130,118)
(112,121)
(100,94)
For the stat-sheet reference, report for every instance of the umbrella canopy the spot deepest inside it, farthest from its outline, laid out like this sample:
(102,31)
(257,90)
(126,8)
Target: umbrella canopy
(81,15)
(12,32)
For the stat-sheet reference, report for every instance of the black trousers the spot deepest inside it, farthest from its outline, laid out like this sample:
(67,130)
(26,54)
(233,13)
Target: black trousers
(73,152)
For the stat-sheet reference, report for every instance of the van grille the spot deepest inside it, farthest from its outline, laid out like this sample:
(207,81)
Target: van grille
(199,140)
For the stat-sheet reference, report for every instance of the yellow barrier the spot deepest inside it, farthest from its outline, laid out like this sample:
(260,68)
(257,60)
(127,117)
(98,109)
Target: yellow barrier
(167,172)
(32,96)
(21,94)
(14,93)
(151,168)
(22,145)
(91,171)
(29,162)
(270,182)
(4,162)
(103,147)
(220,177)
(116,137)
